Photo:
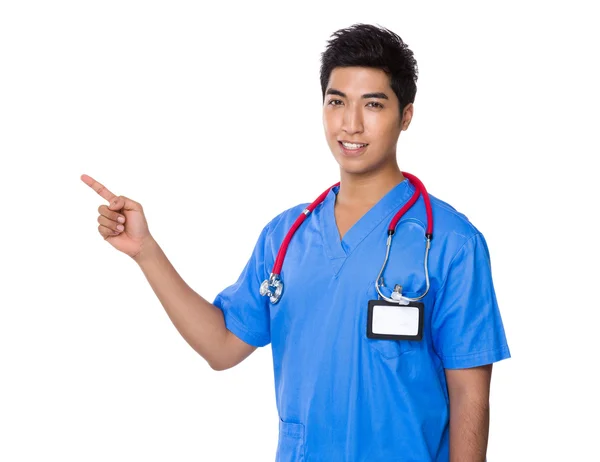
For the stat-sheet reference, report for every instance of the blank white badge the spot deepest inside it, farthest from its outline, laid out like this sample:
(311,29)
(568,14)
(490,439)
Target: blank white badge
(391,321)
(395,320)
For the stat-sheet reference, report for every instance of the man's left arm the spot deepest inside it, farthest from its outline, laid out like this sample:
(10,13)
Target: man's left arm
(469,391)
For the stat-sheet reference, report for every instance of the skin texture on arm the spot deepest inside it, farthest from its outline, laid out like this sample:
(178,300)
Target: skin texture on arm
(469,391)
(237,349)
(199,322)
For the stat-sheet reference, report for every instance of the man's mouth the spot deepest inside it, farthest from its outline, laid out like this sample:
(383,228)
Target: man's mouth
(352,149)
(352,146)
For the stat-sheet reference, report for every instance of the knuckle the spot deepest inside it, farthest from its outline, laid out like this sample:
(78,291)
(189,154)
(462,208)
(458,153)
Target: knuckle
(137,204)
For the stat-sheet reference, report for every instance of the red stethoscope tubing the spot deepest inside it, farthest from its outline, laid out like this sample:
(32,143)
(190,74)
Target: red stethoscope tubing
(419,189)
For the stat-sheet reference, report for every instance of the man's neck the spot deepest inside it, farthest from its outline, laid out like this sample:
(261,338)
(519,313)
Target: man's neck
(360,191)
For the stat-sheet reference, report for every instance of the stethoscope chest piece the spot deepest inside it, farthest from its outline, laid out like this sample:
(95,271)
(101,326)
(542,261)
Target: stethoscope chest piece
(272,287)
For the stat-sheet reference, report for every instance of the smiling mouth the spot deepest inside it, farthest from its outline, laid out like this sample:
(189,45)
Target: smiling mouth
(352,149)
(352,146)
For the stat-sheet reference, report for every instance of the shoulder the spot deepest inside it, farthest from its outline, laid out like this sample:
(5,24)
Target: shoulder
(449,221)
(454,233)
(283,221)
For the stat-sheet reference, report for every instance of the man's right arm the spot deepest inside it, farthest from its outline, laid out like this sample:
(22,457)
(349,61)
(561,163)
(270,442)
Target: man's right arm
(200,322)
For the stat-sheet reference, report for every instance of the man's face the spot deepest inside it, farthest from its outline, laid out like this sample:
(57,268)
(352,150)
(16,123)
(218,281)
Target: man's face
(361,107)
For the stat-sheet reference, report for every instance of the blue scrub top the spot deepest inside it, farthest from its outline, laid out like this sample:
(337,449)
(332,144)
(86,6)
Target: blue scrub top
(340,395)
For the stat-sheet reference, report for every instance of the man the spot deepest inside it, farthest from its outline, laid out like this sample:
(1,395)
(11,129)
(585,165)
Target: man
(343,395)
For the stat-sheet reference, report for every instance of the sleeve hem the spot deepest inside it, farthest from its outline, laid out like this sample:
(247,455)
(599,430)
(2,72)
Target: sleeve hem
(257,339)
(480,358)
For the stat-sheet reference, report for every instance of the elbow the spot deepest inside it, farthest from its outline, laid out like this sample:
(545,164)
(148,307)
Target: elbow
(218,365)
(226,356)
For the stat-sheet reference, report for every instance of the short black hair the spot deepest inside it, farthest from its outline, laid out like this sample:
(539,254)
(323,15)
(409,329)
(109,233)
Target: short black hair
(366,45)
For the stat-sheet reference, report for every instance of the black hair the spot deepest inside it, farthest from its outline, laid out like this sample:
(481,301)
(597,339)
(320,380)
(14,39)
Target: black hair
(366,45)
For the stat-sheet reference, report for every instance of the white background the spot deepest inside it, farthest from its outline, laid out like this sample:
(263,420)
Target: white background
(210,116)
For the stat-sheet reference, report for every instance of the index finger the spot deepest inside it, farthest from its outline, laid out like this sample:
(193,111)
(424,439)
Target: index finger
(98,187)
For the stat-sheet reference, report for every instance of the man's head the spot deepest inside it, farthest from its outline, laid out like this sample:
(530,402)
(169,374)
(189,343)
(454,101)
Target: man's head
(368,80)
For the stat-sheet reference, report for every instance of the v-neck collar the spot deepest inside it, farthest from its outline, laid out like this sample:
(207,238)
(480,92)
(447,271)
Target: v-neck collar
(339,249)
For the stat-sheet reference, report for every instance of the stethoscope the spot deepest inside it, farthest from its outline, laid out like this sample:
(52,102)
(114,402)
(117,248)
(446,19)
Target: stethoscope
(273,287)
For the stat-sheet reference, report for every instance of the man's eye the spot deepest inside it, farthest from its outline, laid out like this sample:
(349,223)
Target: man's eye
(375,103)
(335,101)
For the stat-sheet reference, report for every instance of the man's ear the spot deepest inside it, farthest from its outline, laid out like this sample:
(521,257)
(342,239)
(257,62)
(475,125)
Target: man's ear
(407,114)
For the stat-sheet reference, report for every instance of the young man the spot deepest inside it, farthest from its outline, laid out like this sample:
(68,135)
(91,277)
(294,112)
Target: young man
(343,396)
(422,392)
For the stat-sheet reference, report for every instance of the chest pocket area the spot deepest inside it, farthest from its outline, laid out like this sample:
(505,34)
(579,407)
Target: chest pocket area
(388,349)
(405,267)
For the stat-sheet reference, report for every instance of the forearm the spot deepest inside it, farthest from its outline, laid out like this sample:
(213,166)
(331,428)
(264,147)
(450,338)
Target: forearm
(469,428)
(199,322)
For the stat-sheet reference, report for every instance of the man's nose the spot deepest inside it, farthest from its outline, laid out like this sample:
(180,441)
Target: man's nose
(352,122)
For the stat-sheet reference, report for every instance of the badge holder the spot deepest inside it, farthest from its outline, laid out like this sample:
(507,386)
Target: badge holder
(394,321)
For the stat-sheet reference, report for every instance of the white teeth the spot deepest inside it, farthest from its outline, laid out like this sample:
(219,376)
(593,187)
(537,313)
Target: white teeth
(352,145)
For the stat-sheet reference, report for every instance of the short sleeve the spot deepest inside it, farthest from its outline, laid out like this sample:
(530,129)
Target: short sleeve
(246,312)
(467,328)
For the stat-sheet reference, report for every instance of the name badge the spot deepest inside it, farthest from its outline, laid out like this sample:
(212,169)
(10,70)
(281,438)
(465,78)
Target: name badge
(392,321)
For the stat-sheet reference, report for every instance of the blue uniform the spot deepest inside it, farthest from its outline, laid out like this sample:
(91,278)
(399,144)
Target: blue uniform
(340,395)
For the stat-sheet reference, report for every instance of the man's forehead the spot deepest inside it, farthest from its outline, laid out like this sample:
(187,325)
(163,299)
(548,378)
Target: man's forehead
(359,79)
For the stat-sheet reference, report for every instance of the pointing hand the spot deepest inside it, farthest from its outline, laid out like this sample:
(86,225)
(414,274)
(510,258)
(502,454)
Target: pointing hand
(122,222)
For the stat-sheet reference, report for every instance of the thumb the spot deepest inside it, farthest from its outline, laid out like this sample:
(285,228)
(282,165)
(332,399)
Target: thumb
(124,203)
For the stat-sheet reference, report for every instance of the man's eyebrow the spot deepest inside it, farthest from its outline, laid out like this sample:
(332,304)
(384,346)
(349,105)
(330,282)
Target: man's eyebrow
(333,91)
(375,95)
